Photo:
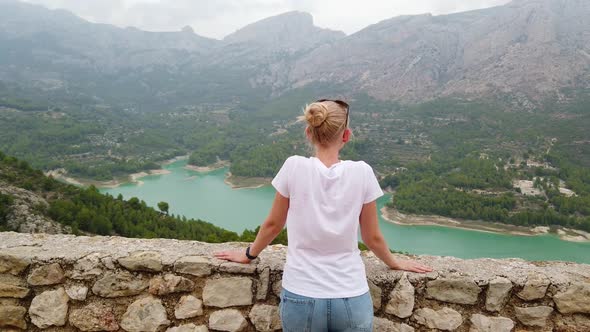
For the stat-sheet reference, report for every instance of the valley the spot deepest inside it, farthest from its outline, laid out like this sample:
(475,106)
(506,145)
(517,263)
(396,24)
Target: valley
(452,128)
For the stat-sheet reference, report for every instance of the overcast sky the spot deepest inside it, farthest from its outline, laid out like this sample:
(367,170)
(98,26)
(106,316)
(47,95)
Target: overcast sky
(217,18)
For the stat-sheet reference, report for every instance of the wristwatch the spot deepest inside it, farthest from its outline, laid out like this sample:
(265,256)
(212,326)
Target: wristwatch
(250,257)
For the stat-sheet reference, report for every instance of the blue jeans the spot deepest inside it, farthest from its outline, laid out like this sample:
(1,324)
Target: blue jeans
(307,314)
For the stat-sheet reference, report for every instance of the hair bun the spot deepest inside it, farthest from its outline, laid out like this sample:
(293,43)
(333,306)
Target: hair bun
(316,114)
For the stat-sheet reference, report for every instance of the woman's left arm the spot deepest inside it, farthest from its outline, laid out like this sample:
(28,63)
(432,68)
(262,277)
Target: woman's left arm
(269,230)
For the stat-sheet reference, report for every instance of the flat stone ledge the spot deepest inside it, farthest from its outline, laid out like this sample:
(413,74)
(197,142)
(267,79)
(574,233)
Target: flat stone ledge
(21,249)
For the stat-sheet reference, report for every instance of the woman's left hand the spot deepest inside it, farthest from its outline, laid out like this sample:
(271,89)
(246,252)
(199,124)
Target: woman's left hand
(238,256)
(411,266)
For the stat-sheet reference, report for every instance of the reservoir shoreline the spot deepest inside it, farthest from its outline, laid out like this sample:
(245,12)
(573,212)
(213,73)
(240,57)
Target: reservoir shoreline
(388,214)
(395,217)
(235,182)
(207,196)
(62,175)
(242,182)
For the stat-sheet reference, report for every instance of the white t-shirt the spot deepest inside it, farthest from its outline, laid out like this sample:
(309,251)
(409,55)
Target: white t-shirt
(323,259)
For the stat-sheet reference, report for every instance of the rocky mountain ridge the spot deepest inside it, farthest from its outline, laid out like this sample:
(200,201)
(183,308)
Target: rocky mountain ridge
(528,49)
(290,31)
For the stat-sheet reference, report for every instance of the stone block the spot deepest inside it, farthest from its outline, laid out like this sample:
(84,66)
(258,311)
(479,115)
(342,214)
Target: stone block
(228,292)
(150,261)
(265,317)
(13,316)
(533,316)
(46,275)
(498,293)
(453,290)
(534,288)
(13,264)
(481,323)
(576,299)
(445,319)
(115,284)
(188,307)
(169,284)
(108,262)
(401,299)
(13,291)
(230,320)
(199,266)
(77,292)
(49,308)
(145,315)
(88,267)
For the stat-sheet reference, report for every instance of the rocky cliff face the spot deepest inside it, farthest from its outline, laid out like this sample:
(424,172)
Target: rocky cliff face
(527,48)
(70,283)
(25,214)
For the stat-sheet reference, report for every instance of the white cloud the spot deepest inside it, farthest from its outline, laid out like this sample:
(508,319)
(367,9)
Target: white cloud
(217,18)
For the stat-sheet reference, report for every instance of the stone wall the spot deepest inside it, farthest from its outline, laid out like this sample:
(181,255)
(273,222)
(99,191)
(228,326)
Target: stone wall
(67,283)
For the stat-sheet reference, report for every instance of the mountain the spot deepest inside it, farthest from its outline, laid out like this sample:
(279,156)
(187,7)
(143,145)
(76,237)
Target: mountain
(527,49)
(53,50)
(35,35)
(268,48)
(291,32)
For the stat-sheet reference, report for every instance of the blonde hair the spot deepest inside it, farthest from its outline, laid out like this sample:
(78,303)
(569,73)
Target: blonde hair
(325,120)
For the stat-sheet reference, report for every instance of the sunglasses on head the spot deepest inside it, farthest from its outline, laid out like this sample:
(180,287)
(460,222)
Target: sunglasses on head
(339,102)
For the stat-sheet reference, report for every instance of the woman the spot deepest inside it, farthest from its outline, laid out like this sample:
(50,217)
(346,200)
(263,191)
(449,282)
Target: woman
(323,200)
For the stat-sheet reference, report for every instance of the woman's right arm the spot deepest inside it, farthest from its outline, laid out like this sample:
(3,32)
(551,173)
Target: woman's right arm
(373,238)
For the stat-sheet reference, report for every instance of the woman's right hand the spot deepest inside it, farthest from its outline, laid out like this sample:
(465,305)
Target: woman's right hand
(410,265)
(373,238)
(237,256)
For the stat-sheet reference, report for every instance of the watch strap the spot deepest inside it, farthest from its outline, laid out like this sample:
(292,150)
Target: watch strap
(248,254)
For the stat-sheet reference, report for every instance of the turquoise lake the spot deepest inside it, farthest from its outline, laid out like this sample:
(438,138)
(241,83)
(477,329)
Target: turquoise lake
(207,197)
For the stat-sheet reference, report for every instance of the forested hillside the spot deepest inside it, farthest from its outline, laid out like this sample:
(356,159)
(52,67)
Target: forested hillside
(85,210)
(489,189)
